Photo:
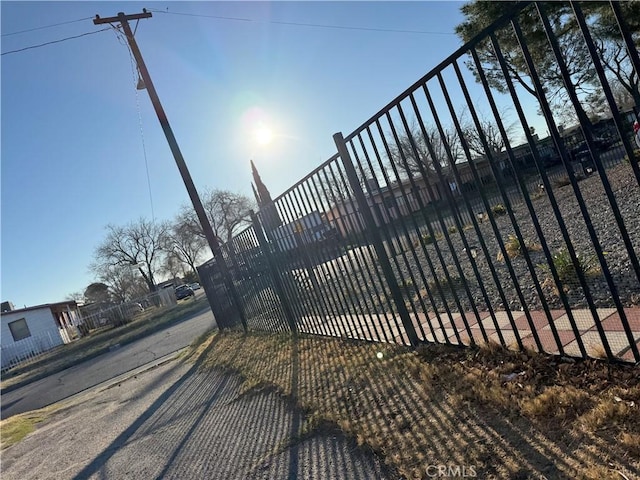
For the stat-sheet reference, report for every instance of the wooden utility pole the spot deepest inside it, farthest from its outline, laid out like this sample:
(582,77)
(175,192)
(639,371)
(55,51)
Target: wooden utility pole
(175,149)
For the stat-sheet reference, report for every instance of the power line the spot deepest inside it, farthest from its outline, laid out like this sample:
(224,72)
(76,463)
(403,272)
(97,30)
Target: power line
(46,26)
(298,24)
(55,41)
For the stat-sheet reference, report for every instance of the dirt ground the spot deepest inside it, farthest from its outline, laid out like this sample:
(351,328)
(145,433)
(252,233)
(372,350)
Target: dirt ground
(490,412)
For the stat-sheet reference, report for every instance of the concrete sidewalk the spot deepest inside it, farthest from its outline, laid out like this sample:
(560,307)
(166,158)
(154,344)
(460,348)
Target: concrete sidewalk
(442,329)
(176,421)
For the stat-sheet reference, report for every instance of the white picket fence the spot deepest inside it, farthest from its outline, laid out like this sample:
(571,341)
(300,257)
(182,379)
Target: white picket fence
(28,349)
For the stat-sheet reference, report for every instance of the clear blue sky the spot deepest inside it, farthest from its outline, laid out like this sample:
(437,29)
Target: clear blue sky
(72,155)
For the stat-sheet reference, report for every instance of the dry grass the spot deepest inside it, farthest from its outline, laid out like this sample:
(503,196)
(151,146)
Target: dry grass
(15,428)
(515,248)
(506,414)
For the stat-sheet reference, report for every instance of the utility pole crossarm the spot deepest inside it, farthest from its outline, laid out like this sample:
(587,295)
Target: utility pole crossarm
(121,16)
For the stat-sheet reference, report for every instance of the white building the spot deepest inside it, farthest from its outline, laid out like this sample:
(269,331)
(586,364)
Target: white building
(27,332)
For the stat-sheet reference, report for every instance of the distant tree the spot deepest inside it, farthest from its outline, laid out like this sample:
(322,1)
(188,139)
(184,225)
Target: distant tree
(75,297)
(495,142)
(227,213)
(417,154)
(611,48)
(97,293)
(123,281)
(139,245)
(186,247)
(172,266)
(191,277)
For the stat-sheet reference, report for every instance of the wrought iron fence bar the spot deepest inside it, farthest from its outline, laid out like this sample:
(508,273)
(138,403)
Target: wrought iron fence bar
(432,232)
(377,240)
(413,220)
(455,211)
(380,275)
(558,142)
(388,181)
(585,126)
(488,256)
(392,223)
(358,307)
(378,189)
(300,297)
(332,181)
(547,189)
(351,226)
(494,225)
(612,106)
(304,254)
(467,247)
(339,299)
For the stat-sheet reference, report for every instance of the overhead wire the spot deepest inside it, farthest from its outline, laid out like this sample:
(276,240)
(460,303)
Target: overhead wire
(55,41)
(300,24)
(136,76)
(46,26)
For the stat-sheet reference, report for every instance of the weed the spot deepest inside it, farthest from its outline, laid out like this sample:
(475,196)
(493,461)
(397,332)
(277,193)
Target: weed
(568,273)
(452,229)
(452,283)
(499,210)
(565,401)
(406,283)
(427,239)
(636,154)
(515,248)
(562,181)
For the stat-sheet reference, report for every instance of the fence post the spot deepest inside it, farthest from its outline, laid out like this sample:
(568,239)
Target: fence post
(374,233)
(277,282)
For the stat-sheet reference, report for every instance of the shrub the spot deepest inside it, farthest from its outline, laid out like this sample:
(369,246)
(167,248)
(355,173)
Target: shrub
(454,284)
(428,239)
(568,272)
(636,154)
(562,181)
(515,248)
(499,210)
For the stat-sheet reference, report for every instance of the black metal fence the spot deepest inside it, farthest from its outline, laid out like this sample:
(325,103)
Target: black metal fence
(441,220)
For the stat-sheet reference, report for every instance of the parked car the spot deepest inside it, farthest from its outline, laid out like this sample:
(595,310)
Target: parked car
(184,291)
(195,286)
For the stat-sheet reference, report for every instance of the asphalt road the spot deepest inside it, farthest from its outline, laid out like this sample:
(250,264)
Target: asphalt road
(105,367)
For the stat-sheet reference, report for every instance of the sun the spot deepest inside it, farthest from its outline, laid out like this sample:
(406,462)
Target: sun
(264,135)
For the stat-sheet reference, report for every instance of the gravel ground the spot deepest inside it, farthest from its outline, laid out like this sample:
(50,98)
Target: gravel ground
(356,274)
(177,421)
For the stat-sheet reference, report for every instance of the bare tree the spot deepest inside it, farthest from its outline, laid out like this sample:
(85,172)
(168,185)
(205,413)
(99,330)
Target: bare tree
(76,297)
(139,245)
(227,213)
(186,248)
(489,132)
(417,154)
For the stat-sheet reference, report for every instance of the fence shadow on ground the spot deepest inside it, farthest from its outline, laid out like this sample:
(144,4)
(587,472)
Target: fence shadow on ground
(419,417)
(212,424)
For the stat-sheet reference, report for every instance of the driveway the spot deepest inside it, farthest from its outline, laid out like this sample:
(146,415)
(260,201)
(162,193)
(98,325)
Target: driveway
(180,421)
(100,369)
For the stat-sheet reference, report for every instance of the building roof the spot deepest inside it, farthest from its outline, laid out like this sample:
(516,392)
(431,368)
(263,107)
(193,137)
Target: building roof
(70,303)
